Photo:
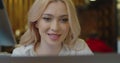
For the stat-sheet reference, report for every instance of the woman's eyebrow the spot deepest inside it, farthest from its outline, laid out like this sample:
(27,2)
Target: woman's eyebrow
(47,15)
(64,15)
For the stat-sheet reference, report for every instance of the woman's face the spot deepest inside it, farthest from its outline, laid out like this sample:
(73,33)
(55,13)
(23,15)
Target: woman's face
(53,25)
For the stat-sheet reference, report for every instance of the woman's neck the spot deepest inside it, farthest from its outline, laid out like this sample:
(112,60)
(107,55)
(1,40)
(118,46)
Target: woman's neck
(46,49)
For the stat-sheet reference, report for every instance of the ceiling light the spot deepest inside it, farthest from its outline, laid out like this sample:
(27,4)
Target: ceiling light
(92,0)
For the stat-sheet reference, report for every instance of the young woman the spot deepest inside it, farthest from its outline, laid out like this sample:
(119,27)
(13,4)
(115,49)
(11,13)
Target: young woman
(53,30)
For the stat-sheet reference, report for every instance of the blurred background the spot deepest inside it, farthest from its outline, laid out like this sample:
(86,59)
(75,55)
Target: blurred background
(99,20)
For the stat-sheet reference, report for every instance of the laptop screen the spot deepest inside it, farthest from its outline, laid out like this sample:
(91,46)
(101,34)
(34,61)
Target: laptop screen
(6,34)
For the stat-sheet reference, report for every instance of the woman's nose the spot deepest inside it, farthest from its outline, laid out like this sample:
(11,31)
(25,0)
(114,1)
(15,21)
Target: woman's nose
(54,26)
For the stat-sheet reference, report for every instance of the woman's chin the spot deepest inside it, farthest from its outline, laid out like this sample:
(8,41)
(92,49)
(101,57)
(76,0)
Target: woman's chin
(54,42)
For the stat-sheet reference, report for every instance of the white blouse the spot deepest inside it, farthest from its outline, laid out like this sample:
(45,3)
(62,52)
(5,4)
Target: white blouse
(80,48)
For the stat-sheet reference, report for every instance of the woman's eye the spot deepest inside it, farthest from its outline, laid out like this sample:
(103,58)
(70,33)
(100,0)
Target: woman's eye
(64,20)
(46,19)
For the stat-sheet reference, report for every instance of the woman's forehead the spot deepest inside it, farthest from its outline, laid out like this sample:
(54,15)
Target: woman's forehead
(56,8)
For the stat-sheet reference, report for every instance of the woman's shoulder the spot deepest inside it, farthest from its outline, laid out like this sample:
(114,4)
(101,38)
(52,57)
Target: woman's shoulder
(79,44)
(81,48)
(22,50)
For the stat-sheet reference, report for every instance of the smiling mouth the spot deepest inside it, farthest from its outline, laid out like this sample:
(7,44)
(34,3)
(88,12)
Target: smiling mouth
(54,36)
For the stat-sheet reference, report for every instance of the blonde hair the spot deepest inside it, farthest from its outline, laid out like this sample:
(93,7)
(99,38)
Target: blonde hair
(32,35)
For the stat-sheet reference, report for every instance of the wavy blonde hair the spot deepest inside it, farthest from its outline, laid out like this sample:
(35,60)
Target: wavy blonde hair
(32,35)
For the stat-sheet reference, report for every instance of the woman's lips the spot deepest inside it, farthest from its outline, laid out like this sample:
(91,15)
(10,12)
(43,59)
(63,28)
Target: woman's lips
(54,36)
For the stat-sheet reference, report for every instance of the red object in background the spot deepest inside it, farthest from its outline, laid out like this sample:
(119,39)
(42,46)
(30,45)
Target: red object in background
(97,45)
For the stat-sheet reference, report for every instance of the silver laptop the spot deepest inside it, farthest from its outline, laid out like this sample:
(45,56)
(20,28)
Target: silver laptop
(99,58)
(6,34)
